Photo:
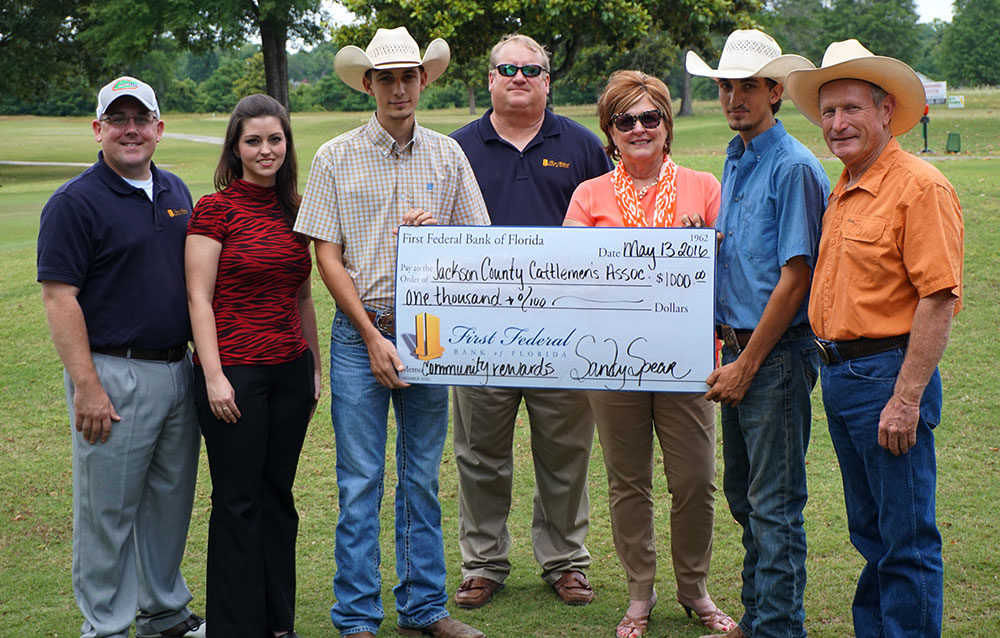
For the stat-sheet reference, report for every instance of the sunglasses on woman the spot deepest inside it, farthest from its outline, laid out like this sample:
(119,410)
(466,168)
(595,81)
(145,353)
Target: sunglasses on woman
(625,122)
(528,70)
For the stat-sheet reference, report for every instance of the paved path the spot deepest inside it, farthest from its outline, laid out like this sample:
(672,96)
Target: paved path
(204,139)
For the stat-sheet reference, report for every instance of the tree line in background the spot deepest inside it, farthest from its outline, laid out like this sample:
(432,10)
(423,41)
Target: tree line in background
(199,58)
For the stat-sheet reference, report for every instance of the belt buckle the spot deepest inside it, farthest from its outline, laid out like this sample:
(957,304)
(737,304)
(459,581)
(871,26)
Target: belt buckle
(824,354)
(729,338)
(386,323)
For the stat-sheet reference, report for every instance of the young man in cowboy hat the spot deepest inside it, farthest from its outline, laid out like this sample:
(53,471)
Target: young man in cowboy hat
(888,282)
(773,194)
(362,186)
(528,162)
(104,238)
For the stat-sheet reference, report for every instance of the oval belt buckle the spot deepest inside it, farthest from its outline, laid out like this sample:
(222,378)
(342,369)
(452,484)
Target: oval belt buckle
(386,323)
(730,340)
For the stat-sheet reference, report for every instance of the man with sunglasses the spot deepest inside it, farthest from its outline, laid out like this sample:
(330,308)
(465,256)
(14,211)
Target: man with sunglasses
(773,195)
(104,238)
(528,161)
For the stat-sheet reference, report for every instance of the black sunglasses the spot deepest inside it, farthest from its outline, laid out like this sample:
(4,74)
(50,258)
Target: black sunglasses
(625,122)
(528,70)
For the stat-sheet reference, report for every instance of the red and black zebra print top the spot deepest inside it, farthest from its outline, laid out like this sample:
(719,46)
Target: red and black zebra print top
(261,268)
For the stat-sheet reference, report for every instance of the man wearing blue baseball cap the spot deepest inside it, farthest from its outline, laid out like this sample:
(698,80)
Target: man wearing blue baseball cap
(111,265)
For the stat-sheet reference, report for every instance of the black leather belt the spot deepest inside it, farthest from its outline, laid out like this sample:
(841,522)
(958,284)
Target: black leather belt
(170,355)
(385,321)
(839,351)
(733,339)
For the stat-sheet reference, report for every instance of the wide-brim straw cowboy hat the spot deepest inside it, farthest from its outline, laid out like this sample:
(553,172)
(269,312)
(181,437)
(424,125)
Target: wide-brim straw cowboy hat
(748,53)
(390,49)
(849,60)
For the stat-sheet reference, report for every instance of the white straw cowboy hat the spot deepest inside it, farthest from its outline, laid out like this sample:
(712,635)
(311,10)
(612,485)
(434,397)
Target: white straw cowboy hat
(849,60)
(390,49)
(748,53)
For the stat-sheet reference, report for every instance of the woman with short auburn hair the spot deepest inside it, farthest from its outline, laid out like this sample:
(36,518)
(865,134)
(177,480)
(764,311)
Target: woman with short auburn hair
(647,189)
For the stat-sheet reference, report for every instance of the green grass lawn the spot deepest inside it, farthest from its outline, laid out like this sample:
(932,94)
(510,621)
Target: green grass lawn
(35,491)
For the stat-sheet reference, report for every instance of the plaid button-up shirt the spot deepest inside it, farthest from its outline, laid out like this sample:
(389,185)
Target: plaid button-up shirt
(362,182)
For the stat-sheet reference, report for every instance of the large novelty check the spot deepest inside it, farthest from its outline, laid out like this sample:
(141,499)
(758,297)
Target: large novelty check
(578,308)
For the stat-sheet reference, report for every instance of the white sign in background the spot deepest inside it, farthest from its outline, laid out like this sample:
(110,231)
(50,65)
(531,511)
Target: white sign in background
(578,308)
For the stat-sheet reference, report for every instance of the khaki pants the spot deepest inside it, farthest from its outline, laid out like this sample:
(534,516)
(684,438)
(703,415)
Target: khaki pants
(685,427)
(562,434)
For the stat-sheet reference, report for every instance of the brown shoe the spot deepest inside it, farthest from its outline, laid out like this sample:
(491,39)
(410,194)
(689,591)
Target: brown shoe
(444,628)
(573,588)
(360,634)
(476,591)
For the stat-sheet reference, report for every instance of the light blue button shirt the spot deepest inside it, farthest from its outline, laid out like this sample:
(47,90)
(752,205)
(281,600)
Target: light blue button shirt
(774,192)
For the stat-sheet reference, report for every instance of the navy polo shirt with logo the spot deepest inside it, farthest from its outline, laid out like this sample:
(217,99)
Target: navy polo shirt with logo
(532,187)
(124,252)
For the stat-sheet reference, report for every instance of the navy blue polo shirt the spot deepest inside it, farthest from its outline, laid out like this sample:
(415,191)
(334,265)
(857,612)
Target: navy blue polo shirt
(125,254)
(532,187)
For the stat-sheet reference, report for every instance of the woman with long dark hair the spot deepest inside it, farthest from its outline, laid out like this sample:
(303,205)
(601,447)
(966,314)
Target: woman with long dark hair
(257,368)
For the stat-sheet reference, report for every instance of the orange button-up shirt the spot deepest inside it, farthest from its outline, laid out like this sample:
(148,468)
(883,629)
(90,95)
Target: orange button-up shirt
(894,237)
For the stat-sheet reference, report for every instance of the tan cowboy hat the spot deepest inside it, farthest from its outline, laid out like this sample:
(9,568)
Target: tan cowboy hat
(748,53)
(849,60)
(390,49)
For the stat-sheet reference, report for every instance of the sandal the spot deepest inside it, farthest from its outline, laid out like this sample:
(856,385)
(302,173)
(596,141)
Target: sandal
(714,618)
(635,626)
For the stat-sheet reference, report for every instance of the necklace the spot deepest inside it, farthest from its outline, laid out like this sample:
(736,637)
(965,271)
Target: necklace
(642,192)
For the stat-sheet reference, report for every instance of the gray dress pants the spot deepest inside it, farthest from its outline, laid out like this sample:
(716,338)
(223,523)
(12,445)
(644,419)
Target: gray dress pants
(132,499)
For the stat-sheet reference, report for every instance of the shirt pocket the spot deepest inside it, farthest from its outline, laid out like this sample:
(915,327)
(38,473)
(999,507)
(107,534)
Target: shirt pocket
(427,194)
(759,231)
(864,248)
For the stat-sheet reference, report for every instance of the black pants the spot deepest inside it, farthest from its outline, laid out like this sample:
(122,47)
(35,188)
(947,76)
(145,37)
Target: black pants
(252,530)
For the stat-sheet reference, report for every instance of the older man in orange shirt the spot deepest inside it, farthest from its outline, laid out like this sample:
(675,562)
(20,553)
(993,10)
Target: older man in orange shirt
(888,281)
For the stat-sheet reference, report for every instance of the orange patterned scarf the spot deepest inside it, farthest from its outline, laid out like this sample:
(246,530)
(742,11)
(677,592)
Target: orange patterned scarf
(666,196)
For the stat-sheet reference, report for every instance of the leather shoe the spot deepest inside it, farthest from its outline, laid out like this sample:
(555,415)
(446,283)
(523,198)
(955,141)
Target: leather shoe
(574,588)
(476,591)
(360,634)
(191,627)
(735,632)
(445,628)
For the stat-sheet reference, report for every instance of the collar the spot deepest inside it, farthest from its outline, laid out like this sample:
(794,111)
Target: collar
(759,145)
(243,186)
(871,179)
(384,142)
(115,182)
(550,128)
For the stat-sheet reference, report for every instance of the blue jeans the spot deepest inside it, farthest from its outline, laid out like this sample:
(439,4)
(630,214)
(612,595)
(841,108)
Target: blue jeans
(889,499)
(765,439)
(359,406)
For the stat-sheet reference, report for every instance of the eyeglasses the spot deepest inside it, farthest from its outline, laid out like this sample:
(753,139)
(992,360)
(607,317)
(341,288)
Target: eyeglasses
(625,122)
(121,120)
(528,70)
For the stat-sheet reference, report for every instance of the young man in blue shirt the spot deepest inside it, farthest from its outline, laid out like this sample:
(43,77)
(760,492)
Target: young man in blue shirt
(773,195)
